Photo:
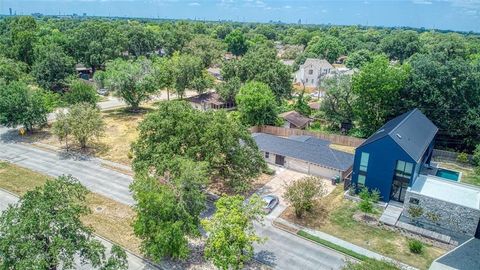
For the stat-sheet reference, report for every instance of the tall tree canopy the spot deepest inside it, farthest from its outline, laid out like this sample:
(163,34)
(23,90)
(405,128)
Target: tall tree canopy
(21,105)
(175,129)
(44,231)
(328,47)
(378,86)
(261,64)
(256,104)
(236,42)
(52,66)
(339,101)
(400,45)
(168,206)
(133,80)
(209,50)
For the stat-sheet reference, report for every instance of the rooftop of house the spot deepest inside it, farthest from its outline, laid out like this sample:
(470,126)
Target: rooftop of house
(209,97)
(316,63)
(295,118)
(412,131)
(447,190)
(305,148)
(465,256)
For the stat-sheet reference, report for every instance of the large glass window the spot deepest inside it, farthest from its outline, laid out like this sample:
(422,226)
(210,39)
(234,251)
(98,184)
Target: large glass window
(364,161)
(404,169)
(361,180)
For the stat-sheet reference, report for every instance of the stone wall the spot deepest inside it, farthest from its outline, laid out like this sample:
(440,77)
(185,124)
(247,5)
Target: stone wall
(443,214)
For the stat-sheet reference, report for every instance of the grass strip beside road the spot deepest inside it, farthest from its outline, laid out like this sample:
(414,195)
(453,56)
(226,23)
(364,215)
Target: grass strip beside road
(331,245)
(109,218)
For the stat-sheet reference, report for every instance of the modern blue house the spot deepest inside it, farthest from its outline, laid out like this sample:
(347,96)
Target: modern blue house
(391,159)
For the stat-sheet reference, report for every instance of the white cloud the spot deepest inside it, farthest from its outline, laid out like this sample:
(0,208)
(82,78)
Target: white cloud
(194,4)
(287,6)
(422,2)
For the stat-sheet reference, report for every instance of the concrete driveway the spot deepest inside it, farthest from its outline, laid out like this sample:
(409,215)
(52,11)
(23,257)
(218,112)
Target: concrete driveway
(276,186)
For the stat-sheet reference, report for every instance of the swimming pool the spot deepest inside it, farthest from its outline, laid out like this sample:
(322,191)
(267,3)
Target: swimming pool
(448,174)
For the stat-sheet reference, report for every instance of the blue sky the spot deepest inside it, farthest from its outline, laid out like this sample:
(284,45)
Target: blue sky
(463,15)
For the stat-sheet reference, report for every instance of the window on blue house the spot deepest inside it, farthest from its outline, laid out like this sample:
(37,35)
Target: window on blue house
(364,161)
(404,169)
(361,180)
(267,155)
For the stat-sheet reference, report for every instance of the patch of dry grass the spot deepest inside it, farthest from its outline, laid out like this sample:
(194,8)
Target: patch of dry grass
(344,148)
(109,219)
(120,133)
(334,215)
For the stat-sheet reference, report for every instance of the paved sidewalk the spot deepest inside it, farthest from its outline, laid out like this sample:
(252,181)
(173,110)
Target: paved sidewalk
(344,244)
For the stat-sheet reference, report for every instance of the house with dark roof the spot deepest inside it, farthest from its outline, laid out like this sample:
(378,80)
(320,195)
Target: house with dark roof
(305,154)
(392,157)
(397,161)
(294,119)
(209,101)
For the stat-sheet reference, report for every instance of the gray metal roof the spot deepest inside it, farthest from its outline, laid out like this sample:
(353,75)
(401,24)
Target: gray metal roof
(314,151)
(465,256)
(412,131)
(309,139)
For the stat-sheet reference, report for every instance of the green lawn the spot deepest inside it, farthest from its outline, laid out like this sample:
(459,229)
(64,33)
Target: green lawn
(334,215)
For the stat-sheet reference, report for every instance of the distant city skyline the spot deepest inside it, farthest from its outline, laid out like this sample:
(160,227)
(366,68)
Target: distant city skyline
(458,15)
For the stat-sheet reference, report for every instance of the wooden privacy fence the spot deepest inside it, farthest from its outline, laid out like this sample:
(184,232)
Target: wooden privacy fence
(448,155)
(287,132)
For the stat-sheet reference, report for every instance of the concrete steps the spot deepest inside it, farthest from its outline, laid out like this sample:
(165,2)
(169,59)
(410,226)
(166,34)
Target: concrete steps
(391,214)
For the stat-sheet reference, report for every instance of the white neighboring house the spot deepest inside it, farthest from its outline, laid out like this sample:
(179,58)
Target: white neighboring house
(312,70)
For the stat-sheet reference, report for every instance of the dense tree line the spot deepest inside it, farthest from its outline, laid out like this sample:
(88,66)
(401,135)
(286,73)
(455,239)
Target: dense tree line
(439,69)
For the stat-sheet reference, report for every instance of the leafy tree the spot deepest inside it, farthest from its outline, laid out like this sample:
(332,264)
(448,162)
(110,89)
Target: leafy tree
(176,129)
(83,122)
(359,58)
(188,73)
(256,104)
(222,30)
(21,105)
(52,66)
(400,45)
(231,232)
(228,90)
(140,39)
(22,37)
(371,264)
(328,47)
(367,200)
(44,231)
(11,70)
(338,103)
(236,42)
(81,91)
(132,80)
(95,42)
(168,208)
(446,90)
(209,50)
(301,105)
(377,87)
(302,193)
(261,64)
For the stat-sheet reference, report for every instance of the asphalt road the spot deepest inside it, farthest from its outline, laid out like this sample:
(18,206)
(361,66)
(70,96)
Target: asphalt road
(281,251)
(134,262)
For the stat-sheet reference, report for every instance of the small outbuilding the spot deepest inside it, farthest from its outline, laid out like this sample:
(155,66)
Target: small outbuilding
(209,101)
(305,154)
(294,119)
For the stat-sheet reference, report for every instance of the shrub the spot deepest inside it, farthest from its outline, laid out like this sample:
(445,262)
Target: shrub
(269,171)
(476,156)
(415,212)
(79,92)
(83,122)
(415,246)
(368,199)
(302,193)
(462,157)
